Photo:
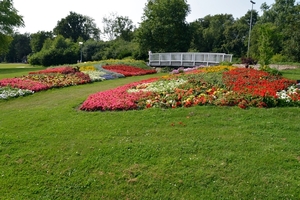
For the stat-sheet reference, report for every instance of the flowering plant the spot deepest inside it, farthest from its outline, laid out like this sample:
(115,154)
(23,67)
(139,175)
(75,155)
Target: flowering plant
(61,70)
(22,83)
(129,70)
(8,92)
(221,86)
(116,99)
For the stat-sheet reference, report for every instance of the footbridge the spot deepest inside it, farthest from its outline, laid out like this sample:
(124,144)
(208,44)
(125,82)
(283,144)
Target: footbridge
(187,59)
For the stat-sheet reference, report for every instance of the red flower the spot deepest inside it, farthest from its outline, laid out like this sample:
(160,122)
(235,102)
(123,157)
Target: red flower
(129,70)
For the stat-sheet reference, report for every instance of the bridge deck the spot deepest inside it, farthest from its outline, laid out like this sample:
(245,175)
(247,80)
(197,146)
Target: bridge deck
(187,59)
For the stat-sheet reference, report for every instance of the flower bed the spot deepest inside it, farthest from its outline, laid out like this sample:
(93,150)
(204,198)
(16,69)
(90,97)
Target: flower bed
(48,78)
(63,76)
(255,82)
(214,86)
(129,70)
(116,99)
(60,70)
(8,92)
(22,83)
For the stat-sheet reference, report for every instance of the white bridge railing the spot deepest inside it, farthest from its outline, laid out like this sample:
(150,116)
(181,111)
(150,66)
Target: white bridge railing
(187,59)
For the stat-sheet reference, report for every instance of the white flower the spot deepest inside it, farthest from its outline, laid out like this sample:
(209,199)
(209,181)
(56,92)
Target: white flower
(160,86)
(7,92)
(285,94)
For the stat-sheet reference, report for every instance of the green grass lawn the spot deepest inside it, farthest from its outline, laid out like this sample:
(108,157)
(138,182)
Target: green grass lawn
(51,150)
(16,69)
(292,73)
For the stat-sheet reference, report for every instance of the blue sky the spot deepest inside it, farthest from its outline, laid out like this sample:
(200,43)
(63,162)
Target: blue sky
(42,15)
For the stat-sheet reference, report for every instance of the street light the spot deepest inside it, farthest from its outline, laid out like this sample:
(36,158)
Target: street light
(252,2)
(80,43)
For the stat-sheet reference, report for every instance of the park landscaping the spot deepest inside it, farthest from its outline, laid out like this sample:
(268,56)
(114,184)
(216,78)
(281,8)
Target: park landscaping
(52,149)
(64,76)
(217,85)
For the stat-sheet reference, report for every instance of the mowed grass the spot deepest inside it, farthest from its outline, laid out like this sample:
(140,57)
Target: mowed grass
(16,70)
(51,150)
(292,73)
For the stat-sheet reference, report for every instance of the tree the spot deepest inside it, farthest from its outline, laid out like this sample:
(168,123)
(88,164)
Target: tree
(277,12)
(94,50)
(9,19)
(56,52)
(197,27)
(236,34)
(19,48)
(118,49)
(109,27)
(164,27)
(124,28)
(37,40)
(117,27)
(267,33)
(5,41)
(209,33)
(75,26)
(291,46)
(284,15)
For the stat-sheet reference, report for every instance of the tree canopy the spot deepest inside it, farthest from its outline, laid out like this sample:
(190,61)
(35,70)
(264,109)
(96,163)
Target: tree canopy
(9,19)
(164,27)
(275,35)
(116,26)
(76,26)
(38,39)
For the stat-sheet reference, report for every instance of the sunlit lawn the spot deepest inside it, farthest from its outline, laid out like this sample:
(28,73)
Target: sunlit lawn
(51,150)
(17,69)
(292,74)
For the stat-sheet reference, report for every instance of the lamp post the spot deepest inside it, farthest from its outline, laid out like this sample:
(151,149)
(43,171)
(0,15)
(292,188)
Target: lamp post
(80,43)
(252,2)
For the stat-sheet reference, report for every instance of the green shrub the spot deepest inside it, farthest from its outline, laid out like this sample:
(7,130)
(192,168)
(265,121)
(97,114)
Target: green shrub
(278,58)
(226,63)
(270,70)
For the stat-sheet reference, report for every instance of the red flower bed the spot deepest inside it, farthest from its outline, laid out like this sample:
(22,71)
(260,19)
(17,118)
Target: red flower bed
(60,80)
(61,70)
(22,83)
(116,99)
(38,81)
(255,82)
(238,87)
(129,70)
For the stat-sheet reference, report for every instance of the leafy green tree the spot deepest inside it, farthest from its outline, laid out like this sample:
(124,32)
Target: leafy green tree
(237,34)
(109,26)
(117,27)
(9,19)
(291,45)
(267,34)
(277,12)
(214,34)
(5,41)
(19,48)
(56,52)
(37,40)
(197,28)
(77,26)
(164,27)
(283,15)
(124,28)
(220,33)
(94,50)
(119,49)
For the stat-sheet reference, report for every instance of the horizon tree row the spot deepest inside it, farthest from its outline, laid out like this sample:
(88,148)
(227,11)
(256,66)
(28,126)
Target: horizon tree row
(275,35)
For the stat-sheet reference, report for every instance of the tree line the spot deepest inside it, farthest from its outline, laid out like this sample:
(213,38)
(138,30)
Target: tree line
(275,35)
